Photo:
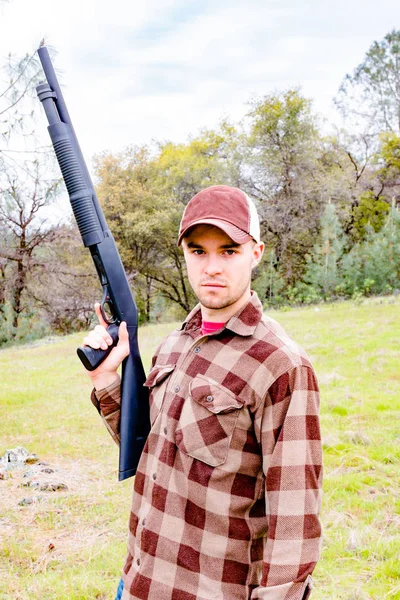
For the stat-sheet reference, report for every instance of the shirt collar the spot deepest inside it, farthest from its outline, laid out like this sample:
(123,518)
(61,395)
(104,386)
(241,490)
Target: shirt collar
(244,322)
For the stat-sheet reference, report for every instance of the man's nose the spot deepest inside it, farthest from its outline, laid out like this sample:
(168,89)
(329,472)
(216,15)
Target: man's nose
(213,265)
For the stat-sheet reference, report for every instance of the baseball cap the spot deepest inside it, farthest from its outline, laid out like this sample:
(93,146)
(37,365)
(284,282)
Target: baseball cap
(225,207)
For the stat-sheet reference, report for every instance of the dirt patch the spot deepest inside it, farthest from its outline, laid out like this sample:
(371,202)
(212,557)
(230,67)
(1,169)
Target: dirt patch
(47,507)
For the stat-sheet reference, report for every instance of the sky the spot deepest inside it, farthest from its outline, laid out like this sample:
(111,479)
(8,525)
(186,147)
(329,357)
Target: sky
(133,71)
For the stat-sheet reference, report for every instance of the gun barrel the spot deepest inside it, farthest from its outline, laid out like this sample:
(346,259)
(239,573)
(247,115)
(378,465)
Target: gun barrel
(53,83)
(46,96)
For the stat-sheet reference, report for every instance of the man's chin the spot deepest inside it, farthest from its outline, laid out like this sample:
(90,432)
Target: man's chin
(214,303)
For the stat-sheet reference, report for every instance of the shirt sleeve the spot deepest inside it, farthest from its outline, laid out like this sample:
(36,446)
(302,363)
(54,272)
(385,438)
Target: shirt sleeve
(289,433)
(108,404)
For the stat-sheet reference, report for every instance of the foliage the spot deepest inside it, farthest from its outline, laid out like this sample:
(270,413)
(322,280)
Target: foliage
(24,193)
(143,220)
(387,160)
(372,92)
(325,203)
(323,265)
(144,194)
(17,90)
(66,289)
(285,148)
(373,267)
(371,212)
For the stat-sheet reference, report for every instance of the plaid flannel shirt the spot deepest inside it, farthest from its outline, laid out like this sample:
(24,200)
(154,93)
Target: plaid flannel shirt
(227,491)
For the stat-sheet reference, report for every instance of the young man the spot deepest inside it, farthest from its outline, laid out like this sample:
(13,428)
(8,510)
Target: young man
(227,491)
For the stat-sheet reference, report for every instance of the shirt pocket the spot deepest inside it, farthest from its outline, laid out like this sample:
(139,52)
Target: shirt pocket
(157,381)
(207,421)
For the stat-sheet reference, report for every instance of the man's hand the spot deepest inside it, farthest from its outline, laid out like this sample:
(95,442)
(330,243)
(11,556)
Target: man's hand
(107,373)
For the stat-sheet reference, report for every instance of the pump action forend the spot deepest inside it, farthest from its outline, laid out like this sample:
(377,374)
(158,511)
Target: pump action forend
(117,296)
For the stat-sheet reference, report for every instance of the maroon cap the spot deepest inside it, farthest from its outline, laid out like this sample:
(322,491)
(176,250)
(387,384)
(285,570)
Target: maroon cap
(225,207)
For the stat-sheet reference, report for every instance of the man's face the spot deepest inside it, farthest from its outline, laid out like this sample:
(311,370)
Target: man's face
(219,269)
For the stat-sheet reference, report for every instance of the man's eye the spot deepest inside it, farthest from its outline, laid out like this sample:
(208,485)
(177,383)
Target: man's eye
(230,252)
(198,252)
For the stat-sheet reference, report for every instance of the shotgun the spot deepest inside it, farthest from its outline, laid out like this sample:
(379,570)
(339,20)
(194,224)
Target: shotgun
(117,303)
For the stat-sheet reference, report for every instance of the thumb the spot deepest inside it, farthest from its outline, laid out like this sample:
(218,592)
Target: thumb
(122,349)
(123,333)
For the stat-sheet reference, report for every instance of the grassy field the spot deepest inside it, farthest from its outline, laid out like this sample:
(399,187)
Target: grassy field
(70,545)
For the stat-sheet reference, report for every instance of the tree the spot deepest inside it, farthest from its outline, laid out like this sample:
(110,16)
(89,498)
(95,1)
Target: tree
(283,164)
(354,184)
(376,188)
(16,95)
(323,272)
(23,194)
(141,218)
(144,194)
(373,266)
(66,285)
(25,190)
(372,93)
(388,161)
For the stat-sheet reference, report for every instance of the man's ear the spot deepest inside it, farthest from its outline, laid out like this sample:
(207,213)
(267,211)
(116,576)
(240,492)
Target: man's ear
(258,251)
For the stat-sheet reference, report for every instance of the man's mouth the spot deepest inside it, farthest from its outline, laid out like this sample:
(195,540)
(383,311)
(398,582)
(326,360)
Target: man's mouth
(213,284)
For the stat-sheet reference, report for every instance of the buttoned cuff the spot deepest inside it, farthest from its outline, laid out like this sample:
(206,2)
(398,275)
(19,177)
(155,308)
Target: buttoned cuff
(286,591)
(108,404)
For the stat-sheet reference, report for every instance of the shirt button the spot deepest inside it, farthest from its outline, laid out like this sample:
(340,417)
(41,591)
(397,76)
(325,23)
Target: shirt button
(197,349)
(144,522)
(154,476)
(138,561)
(165,430)
(177,388)
(209,398)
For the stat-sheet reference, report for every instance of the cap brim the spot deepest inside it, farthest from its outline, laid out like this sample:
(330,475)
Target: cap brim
(236,234)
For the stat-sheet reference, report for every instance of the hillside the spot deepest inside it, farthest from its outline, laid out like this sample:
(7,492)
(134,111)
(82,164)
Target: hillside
(68,543)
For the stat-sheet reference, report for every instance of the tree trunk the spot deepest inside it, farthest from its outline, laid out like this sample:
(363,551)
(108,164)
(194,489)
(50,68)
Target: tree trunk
(16,304)
(148,298)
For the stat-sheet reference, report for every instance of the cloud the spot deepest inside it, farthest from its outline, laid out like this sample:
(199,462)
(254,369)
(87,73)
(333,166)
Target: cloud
(163,69)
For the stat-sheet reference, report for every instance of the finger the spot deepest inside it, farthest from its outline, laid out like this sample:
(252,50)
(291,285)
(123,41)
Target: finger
(96,340)
(102,333)
(97,309)
(101,339)
(91,342)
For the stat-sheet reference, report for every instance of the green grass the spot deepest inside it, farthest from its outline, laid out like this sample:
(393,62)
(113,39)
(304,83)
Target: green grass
(71,545)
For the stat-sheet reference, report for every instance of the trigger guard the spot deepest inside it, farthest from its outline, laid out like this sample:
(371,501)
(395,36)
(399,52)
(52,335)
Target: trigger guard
(105,300)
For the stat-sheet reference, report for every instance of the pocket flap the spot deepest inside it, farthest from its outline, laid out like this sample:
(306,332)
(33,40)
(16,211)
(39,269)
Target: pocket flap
(212,396)
(158,374)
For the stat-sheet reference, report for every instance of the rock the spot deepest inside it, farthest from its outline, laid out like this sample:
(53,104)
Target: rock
(53,487)
(47,470)
(26,501)
(29,501)
(31,459)
(30,484)
(3,474)
(15,455)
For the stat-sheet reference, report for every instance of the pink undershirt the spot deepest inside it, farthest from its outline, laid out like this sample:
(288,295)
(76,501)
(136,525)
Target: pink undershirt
(208,327)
